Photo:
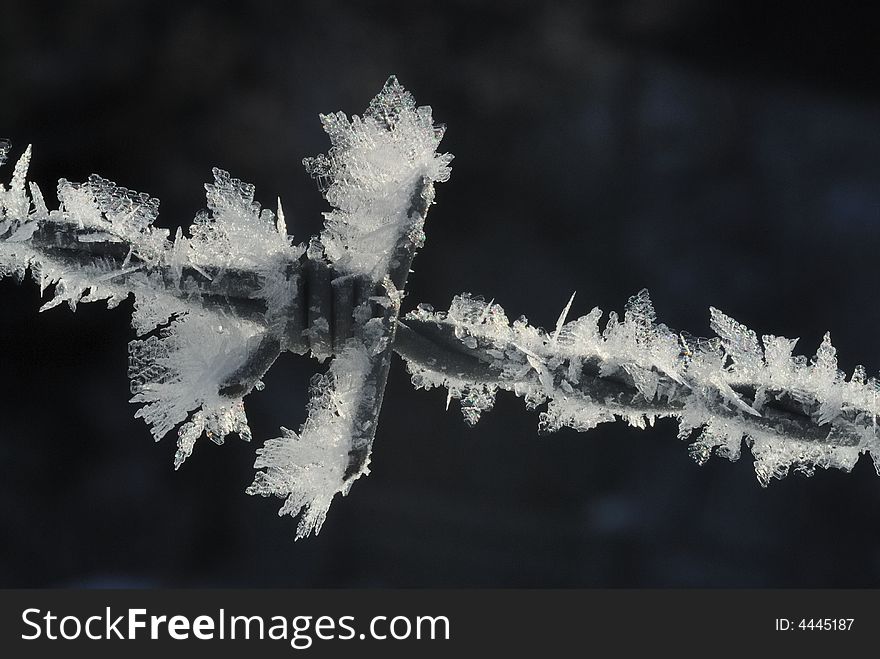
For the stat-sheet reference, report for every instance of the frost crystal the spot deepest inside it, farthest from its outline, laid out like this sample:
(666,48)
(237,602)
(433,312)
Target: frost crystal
(369,176)
(180,370)
(115,214)
(308,468)
(235,232)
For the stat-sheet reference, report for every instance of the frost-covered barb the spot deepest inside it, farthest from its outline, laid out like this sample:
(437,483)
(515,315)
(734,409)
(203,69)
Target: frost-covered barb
(791,413)
(378,176)
(214,309)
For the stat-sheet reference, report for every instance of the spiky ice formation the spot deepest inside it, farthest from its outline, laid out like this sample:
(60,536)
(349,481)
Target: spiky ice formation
(307,469)
(101,244)
(369,175)
(212,311)
(178,372)
(792,413)
(378,175)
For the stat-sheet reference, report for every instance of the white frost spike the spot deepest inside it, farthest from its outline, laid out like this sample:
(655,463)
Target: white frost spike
(14,202)
(825,362)
(739,341)
(127,211)
(40,210)
(370,175)
(236,234)
(827,380)
(583,333)
(280,223)
(561,321)
(78,203)
(19,177)
(638,346)
(307,469)
(640,316)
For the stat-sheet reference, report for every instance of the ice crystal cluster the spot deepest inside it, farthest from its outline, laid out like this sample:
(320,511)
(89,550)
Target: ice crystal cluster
(375,166)
(791,412)
(308,468)
(185,350)
(191,348)
(369,175)
(214,308)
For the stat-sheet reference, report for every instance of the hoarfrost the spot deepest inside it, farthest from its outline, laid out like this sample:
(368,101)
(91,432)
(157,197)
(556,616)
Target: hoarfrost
(195,356)
(177,370)
(376,167)
(235,232)
(307,469)
(728,390)
(369,174)
(180,370)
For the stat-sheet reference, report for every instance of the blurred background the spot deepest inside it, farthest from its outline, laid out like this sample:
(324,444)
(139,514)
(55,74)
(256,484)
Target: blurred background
(716,156)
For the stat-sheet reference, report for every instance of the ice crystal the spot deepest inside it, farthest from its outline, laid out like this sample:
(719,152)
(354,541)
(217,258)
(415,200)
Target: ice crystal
(307,469)
(370,174)
(179,371)
(115,214)
(235,232)
(376,165)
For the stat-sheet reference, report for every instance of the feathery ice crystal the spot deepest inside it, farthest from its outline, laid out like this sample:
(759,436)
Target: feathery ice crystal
(369,174)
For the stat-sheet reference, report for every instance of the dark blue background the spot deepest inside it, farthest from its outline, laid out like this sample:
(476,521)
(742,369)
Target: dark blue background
(717,157)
